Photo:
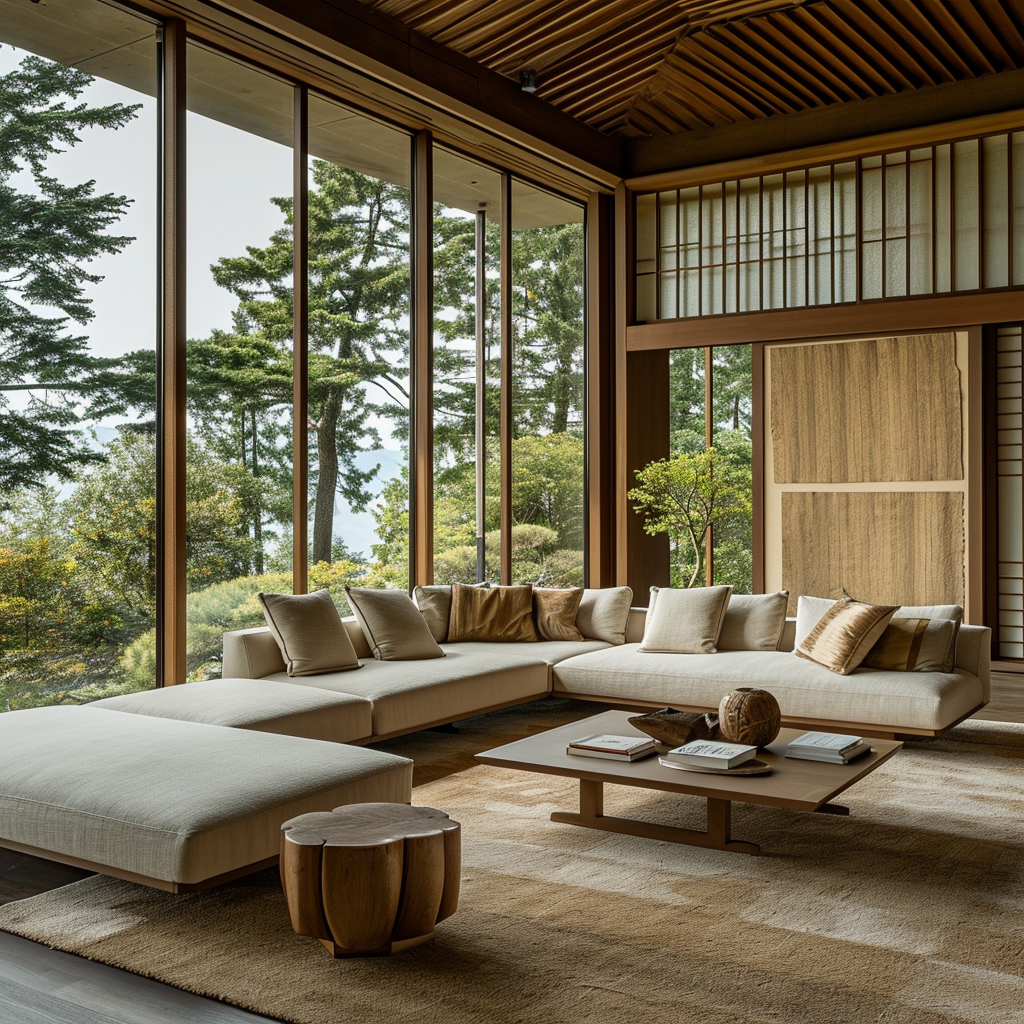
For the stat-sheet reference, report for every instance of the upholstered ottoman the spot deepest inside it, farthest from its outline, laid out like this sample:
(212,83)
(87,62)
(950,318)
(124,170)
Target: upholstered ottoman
(255,704)
(177,805)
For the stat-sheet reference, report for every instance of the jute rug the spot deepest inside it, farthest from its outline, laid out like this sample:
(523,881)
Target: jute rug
(910,910)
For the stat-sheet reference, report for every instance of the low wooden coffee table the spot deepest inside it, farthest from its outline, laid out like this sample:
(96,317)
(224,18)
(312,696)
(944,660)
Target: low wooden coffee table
(798,785)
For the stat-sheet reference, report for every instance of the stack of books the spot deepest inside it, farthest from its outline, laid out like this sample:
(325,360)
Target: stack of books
(712,754)
(827,746)
(616,748)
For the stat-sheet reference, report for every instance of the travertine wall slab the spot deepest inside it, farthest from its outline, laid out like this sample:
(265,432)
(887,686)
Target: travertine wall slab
(886,409)
(896,547)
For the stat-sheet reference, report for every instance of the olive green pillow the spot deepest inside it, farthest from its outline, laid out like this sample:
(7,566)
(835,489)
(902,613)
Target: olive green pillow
(310,633)
(392,624)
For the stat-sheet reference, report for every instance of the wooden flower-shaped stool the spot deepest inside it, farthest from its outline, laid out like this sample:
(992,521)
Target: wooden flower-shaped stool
(371,879)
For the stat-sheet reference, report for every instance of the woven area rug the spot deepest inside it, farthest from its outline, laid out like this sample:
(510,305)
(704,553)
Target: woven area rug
(910,910)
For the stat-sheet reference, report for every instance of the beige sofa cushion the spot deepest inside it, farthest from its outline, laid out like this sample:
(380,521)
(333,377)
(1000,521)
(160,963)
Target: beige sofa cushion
(254,704)
(393,626)
(172,800)
(410,695)
(603,613)
(804,690)
(684,621)
(308,629)
(754,622)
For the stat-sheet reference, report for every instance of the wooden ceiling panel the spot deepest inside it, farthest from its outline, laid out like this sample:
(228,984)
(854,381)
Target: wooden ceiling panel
(649,67)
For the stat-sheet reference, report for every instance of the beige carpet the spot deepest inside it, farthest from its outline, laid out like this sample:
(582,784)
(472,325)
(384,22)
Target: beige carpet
(911,910)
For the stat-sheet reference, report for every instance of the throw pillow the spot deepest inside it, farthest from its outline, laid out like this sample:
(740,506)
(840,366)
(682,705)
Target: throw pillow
(841,639)
(754,622)
(914,645)
(555,612)
(435,605)
(603,614)
(392,625)
(685,621)
(809,611)
(310,633)
(495,614)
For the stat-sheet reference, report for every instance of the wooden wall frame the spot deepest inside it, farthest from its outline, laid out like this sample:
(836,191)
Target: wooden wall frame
(300,344)
(507,341)
(171,340)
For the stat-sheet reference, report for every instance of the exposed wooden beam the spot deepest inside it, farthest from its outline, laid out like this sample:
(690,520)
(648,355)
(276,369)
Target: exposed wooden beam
(300,342)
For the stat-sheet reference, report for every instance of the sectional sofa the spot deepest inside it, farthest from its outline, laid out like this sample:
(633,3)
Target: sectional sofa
(186,786)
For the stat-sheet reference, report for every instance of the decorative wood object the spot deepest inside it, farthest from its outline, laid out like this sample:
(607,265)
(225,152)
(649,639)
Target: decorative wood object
(371,879)
(897,547)
(673,728)
(896,417)
(749,715)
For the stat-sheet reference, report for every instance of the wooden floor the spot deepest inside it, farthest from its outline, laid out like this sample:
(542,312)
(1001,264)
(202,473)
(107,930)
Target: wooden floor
(43,986)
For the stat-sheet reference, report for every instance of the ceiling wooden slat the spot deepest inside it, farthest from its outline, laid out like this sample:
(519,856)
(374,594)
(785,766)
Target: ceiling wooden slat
(653,67)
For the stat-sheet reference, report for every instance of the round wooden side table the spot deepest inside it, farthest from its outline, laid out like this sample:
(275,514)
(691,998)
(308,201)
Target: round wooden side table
(371,879)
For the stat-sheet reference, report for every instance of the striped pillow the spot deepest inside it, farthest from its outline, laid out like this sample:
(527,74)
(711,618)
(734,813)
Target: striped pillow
(843,636)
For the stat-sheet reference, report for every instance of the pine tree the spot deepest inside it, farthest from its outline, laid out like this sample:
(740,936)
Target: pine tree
(48,234)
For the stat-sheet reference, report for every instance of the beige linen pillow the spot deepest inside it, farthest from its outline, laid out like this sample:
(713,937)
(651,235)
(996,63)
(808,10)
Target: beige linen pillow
(603,614)
(435,605)
(754,622)
(685,621)
(915,645)
(495,614)
(392,625)
(555,612)
(809,611)
(841,639)
(310,633)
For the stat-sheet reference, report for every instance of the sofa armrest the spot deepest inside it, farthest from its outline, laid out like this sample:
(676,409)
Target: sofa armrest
(974,655)
(254,654)
(635,623)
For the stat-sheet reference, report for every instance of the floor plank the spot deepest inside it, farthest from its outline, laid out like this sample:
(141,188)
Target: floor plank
(44,986)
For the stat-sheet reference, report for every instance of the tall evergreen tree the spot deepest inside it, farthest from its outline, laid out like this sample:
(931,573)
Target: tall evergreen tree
(48,234)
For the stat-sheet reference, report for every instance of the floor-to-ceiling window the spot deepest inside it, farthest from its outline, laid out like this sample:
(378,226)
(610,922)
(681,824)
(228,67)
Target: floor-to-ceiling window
(467,292)
(360,207)
(238,488)
(547,388)
(77,352)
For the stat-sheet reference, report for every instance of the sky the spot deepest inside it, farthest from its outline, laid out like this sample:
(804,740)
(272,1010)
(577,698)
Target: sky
(231,177)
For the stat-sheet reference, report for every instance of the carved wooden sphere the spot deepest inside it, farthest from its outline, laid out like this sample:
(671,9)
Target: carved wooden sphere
(748,715)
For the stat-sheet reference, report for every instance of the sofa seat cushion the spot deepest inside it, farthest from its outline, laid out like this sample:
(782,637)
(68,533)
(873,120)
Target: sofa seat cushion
(409,695)
(804,690)
(255,704)
(171,800)
(548,651)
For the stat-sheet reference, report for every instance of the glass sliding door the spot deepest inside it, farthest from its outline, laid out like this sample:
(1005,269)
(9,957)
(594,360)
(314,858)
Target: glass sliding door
(238,487)
(78,318)
(466,414)
(359,309)
(547,388)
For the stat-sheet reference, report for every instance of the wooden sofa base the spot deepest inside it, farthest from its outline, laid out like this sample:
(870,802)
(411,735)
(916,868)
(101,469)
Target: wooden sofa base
(132,876)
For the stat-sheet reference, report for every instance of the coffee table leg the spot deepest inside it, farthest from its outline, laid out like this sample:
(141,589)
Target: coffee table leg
(717,837)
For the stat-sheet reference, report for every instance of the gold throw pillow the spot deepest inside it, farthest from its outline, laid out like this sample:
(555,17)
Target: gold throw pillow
(555,612)
(842,637)
(310,633)
(497,614)
(915,645)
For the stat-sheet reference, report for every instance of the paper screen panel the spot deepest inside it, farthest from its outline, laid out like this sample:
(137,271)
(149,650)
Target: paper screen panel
(897,547)
(867,411)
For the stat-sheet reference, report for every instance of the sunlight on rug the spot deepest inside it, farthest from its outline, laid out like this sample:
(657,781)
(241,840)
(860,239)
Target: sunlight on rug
(910,910)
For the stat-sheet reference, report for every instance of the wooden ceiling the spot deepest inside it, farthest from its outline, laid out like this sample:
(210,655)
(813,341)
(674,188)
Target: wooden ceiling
(649,68)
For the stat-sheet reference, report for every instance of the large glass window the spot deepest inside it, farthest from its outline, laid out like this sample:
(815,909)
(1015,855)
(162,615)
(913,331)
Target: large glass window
(77,353)
(706,479)
(359,308)
(466,370)
(238,485)
(547,388)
